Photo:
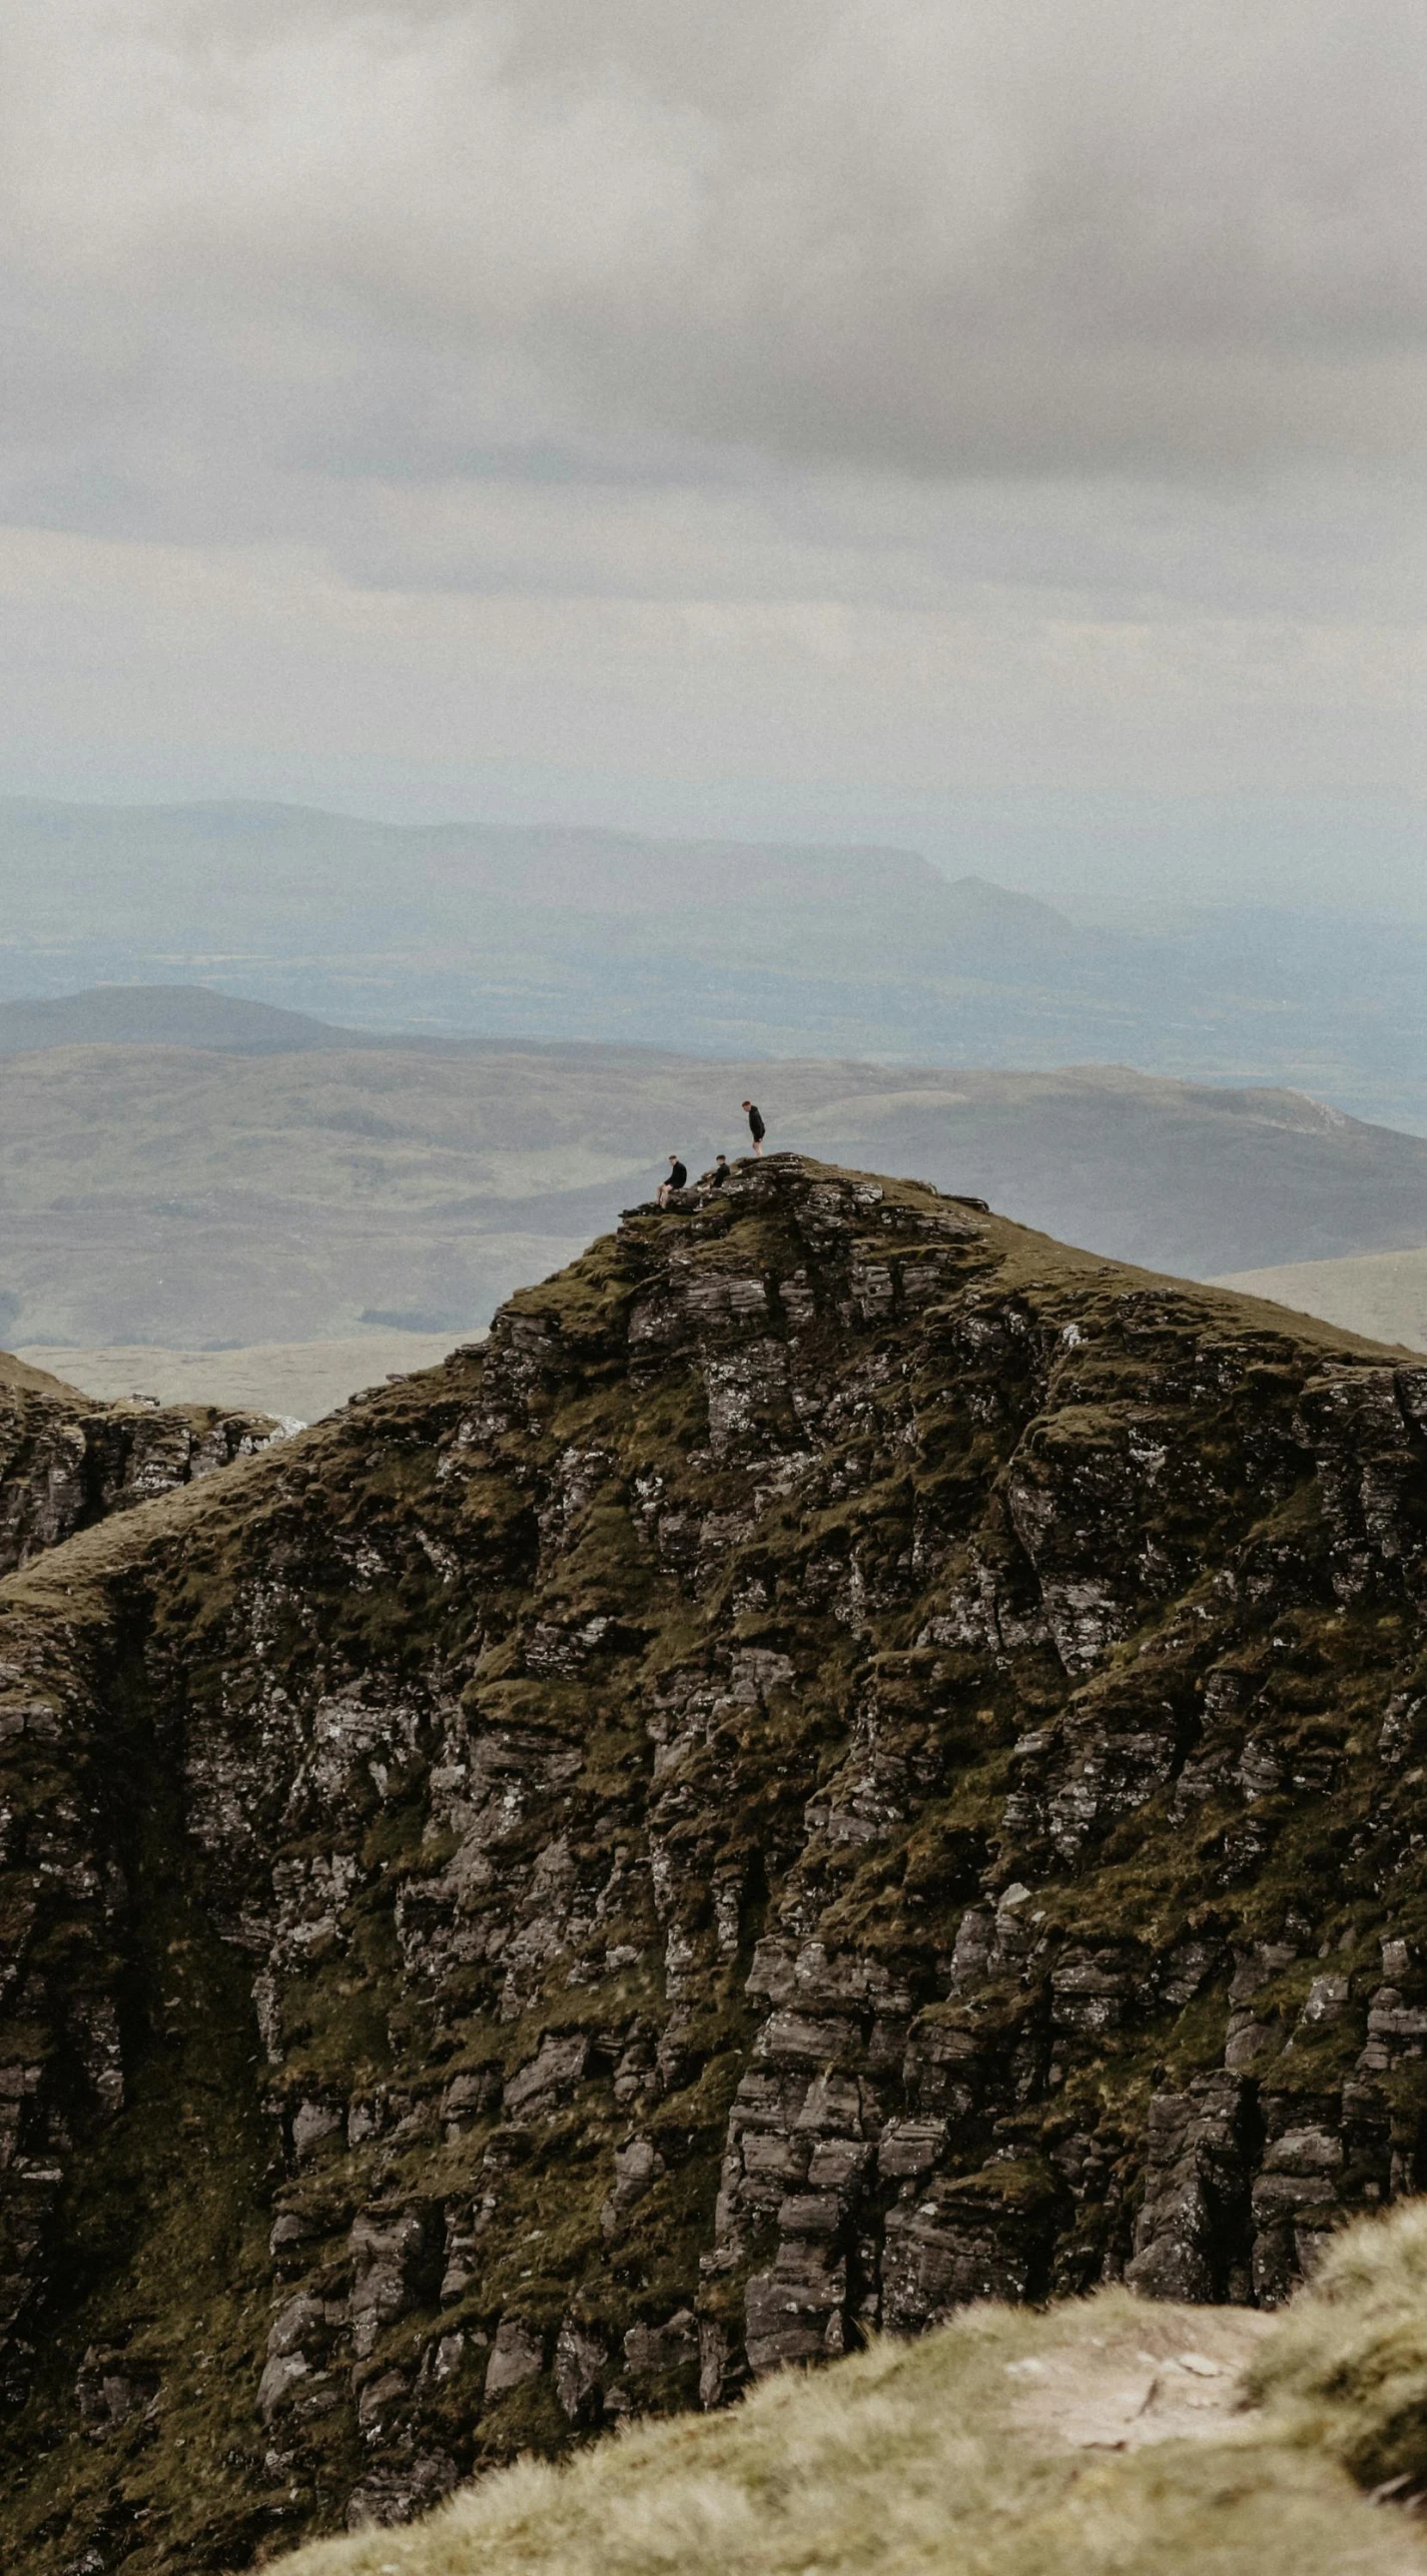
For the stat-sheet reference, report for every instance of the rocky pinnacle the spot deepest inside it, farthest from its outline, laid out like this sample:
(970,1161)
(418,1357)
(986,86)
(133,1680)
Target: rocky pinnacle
(849,1760)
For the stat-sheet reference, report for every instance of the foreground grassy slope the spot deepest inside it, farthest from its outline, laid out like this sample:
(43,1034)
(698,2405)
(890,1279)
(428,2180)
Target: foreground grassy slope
(183,1197)
(1102,2438)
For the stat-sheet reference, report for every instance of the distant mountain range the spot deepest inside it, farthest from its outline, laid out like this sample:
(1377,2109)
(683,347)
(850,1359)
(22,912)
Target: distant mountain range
(712,947)
(213,1172)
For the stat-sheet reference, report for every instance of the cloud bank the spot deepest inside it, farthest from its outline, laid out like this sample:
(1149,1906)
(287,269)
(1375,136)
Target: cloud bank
(1067,317)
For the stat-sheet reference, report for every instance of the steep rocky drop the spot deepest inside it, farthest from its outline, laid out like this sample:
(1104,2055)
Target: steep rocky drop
(67,1461)
(851,1759)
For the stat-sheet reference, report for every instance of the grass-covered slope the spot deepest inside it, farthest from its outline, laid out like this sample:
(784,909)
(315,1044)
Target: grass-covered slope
(1099,2439)
(1347,2369)
(849,1760)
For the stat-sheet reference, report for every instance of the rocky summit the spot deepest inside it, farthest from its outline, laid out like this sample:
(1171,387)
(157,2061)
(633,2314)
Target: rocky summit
(850,1760)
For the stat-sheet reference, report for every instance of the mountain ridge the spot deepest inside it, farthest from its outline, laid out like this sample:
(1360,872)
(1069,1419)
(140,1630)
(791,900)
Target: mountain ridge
(852,1758)
(69,1460)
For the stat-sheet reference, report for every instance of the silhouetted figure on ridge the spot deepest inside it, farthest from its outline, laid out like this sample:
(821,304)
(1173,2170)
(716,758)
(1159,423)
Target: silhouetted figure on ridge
(678,1180)
(756,1128)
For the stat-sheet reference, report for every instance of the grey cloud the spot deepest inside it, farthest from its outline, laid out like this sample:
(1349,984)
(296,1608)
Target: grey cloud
(795,391)
(888,234)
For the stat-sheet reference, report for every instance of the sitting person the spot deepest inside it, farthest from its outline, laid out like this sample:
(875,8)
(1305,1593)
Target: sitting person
(719,1174)
(678,1180)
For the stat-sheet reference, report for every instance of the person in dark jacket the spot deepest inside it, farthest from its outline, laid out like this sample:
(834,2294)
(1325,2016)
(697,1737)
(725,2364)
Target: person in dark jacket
(719,1174)
(756,1128)
(678,1180)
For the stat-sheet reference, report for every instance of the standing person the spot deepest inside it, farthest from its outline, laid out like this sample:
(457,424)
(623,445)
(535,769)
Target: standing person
(677,1180)
(756,1128)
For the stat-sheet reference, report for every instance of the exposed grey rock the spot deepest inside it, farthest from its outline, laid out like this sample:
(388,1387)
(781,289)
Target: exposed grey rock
(390,2496)
(1191,2238)
(396,2263)
(692,1828)
(581,2358)
(518,2353)
(66,1462)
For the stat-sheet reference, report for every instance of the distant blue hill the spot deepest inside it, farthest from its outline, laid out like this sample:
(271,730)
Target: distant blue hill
(184,1015)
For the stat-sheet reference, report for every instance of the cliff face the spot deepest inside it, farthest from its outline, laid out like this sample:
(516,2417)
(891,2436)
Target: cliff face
(66,1462)
(851,1759)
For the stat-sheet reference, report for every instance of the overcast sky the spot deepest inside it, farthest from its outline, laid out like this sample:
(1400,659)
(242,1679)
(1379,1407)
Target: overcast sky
(993,425)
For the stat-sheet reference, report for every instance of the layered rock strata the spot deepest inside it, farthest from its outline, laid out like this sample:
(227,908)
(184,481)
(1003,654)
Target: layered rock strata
(849,1760)
(67,1461)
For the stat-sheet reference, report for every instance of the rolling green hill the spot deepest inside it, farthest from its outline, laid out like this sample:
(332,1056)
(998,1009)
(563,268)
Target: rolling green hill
(163,1015)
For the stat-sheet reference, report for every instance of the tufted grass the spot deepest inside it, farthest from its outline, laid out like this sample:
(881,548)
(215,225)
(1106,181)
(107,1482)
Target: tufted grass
(1346,2369)
(918,2459)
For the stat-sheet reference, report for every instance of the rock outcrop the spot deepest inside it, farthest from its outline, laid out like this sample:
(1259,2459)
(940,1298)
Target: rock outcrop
(67,1461)
(849,1760)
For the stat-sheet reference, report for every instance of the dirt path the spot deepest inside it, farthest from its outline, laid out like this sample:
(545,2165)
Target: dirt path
(1167,2374)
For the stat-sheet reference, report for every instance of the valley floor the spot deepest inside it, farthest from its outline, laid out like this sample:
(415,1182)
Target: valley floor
(290,1379)
(1382,1295)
